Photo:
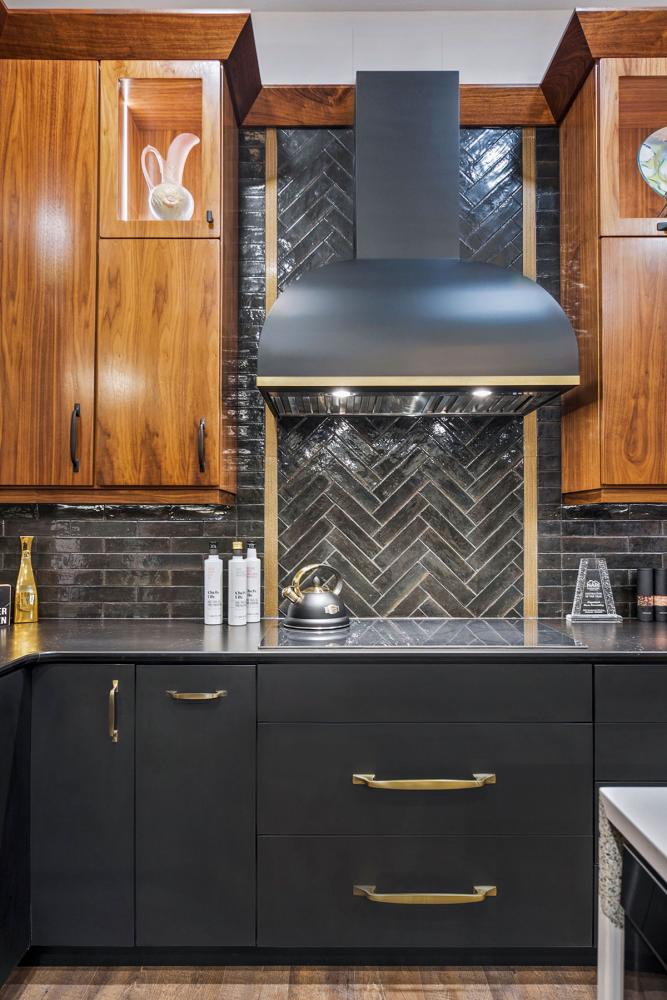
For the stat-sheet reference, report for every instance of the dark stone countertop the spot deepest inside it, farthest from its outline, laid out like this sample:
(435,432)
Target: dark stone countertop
(174,641)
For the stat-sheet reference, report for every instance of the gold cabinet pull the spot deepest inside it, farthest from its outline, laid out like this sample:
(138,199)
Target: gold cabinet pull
(425,784)
(478,895)
(113,725)
(196,695)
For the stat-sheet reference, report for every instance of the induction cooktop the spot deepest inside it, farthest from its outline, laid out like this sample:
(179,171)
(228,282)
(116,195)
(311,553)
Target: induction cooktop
(372,633)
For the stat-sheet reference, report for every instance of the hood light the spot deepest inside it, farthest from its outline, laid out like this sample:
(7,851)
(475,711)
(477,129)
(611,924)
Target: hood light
(341,393)
(481,392)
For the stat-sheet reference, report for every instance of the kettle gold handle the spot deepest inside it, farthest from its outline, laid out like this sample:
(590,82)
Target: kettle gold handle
(295,594)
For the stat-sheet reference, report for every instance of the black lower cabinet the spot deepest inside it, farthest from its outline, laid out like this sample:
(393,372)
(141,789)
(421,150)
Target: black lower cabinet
(14,820)
(195,819)
(543,777)
(82,805)
(306,896)
(631,751)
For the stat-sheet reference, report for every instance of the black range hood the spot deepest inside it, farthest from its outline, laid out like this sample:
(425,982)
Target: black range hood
(406,327)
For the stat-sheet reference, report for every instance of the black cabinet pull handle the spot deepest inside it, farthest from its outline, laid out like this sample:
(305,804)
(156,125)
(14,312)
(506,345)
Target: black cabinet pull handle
(201,445)
(209,217)
(74,436)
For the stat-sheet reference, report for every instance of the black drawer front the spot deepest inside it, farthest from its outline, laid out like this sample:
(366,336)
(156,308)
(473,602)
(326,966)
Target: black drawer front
(630,752)
(415,691)
(544,774)
(544,885)
(632,692)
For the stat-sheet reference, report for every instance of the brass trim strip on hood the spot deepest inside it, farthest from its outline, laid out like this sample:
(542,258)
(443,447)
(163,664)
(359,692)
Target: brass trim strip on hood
(270,419)
(530,546)
(412,381)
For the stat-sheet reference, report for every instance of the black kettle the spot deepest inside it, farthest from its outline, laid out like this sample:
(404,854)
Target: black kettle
(319,606)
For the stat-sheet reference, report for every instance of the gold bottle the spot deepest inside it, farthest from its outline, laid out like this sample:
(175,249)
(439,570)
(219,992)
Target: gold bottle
(25,600)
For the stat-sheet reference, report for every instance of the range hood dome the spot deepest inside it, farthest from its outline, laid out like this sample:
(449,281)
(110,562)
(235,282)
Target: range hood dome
(396,327)
(407,327)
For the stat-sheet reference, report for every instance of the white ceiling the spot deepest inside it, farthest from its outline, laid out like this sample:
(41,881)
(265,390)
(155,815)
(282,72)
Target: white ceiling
(327,41)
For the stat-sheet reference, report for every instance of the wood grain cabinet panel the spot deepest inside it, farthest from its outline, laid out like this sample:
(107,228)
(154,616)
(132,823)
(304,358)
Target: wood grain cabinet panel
(634,352)
(48,197)
(158,363)
(613,269)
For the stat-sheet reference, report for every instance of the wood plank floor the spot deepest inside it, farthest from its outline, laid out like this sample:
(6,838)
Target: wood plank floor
(300,983)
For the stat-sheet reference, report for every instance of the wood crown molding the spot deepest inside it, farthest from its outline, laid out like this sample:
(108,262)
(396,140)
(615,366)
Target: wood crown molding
(331,106)
(569,67)
(242,72)
(80,34)
(86,34)
(125,35)
(600,34)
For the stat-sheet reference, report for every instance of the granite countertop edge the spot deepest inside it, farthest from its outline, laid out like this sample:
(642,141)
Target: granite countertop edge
(183,641)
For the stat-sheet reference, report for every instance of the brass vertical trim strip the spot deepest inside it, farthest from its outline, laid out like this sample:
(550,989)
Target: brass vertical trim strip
(529,203)
(530,515)
(530,603)
(270,421)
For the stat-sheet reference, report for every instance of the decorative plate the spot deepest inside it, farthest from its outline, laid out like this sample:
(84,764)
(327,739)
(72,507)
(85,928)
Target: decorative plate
(652,161)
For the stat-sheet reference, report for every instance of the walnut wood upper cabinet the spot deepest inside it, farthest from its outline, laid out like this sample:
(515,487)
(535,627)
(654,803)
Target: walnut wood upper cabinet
(613,279)
(145,106)
(158,384)
(48,197)
(634,352)
(632,101)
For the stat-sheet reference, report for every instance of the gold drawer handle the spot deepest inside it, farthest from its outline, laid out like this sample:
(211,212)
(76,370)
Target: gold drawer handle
(479,894)
(425,784)
(196,695)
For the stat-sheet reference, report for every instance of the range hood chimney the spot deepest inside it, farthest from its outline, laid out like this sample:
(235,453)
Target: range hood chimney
(406,327)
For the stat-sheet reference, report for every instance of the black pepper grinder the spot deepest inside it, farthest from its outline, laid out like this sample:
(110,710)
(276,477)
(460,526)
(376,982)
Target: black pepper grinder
(645,591)
(660,595)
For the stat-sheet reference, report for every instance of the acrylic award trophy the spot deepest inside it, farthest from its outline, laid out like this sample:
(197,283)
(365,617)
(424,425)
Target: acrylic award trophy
(593,599)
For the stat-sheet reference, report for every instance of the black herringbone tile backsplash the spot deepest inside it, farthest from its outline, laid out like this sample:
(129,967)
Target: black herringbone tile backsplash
(421,517)
(405,507)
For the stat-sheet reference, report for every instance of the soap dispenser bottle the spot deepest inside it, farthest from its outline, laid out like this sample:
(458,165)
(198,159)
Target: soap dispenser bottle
(254,574)
(237,587)
(213,587)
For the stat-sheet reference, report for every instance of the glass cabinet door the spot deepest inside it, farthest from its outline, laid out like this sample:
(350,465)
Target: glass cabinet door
(160,149)
(633,107)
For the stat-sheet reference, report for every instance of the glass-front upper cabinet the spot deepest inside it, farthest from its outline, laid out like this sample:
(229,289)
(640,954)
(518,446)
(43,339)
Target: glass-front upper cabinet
(633,146)
(160,149)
